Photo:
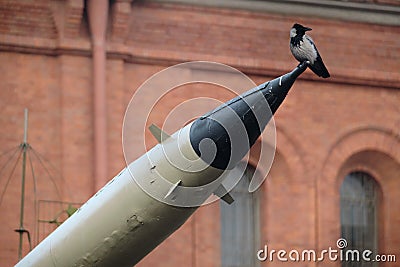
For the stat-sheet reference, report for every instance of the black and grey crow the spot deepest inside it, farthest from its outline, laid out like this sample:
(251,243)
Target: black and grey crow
(303,48)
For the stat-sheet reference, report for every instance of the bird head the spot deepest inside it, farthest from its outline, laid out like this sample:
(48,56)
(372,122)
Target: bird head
(298,29)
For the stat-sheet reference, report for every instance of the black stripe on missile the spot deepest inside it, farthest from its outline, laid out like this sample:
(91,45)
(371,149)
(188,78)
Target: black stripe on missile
(215,125)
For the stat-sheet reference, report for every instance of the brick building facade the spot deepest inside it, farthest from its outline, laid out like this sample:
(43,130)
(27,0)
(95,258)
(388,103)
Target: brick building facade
(326,129)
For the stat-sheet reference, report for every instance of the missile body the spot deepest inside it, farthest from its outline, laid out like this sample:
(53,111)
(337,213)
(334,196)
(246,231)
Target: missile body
(154,195)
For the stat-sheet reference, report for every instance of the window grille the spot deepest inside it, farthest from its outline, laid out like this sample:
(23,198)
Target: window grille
(359,211)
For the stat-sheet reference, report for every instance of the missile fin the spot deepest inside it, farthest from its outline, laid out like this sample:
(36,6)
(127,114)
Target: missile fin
(223,194)
(158,133)
(172,189)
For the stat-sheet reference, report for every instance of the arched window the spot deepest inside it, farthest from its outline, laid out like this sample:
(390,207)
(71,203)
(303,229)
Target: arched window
(240,226)
(359,215)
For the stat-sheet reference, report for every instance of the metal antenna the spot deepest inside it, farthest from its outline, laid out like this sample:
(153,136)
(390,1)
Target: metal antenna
(24,147)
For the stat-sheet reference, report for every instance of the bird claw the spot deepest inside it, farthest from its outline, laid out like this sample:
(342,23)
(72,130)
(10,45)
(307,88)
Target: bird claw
(303,65)
(304,62)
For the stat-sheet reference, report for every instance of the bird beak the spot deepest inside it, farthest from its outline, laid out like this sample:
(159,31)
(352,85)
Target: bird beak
(307,29)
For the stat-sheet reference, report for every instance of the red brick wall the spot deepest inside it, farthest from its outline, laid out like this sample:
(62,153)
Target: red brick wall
(325,128)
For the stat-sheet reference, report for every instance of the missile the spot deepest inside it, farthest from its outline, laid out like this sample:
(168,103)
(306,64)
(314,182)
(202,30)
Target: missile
(155,194)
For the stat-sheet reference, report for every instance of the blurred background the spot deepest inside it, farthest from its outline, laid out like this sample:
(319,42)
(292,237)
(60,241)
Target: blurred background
(75,65)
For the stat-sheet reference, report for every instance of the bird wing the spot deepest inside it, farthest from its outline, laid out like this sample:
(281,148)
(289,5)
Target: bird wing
(308,38)
(318,67)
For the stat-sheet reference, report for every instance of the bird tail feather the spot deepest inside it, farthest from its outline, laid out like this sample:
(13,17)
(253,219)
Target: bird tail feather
(319,68)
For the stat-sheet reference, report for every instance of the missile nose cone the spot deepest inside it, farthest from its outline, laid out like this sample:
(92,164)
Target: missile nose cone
(223,136)
(279,87)
(298,70)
